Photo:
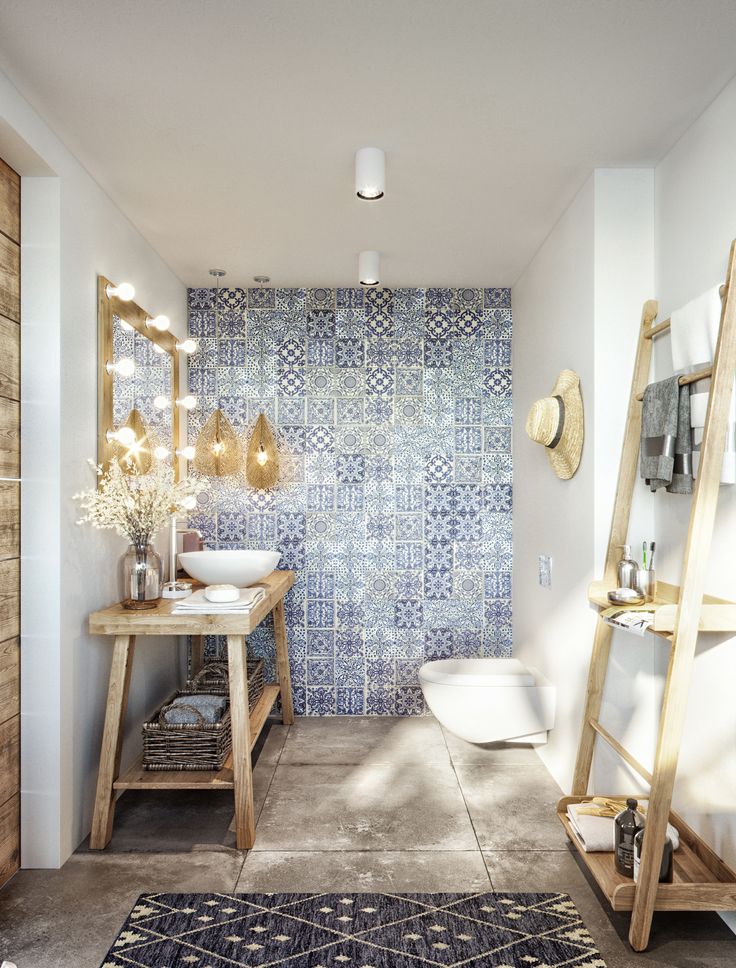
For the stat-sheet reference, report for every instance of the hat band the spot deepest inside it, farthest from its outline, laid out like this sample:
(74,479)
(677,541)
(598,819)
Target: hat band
(560,426)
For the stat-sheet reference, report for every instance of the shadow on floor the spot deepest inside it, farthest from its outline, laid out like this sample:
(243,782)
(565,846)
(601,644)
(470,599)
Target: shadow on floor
(174,821)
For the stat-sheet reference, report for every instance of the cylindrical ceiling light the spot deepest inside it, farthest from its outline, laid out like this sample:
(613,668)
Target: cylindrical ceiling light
(369,266)
(370,173)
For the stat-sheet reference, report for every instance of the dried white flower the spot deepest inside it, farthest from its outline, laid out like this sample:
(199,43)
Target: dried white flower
(136,505)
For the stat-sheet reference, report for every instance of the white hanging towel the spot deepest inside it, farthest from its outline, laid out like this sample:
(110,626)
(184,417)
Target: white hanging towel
(694,333)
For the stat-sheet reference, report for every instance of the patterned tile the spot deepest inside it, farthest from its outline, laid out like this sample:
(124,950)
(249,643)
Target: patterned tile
(395,408)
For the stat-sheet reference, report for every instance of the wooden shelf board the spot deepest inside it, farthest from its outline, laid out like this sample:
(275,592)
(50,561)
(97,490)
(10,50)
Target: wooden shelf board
(136,778)
(696,886)
(161,620)
(716,614)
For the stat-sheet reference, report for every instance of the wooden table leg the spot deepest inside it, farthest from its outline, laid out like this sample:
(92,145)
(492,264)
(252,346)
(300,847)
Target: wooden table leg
(112,741)
(245,824)
(282,663)
(197,655)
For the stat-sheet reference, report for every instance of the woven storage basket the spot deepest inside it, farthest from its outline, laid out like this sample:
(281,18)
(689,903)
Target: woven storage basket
(213,678)
(186,746)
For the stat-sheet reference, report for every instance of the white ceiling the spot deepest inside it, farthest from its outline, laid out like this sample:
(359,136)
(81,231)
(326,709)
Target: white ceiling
(226,129)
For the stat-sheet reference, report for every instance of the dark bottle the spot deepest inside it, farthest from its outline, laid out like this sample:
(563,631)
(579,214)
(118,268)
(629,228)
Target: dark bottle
(666,870)
(627,824)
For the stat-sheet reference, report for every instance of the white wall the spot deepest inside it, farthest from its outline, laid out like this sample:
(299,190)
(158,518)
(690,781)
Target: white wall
(553,330)
(71,232)
(695,224)
(577,306)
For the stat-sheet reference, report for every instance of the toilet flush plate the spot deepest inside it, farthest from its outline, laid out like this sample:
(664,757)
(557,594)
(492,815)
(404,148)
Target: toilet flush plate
(545,571)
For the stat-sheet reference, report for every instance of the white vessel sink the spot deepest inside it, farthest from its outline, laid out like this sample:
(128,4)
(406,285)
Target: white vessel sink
(239,568)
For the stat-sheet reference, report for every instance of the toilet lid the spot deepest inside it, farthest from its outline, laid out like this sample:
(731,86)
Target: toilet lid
(477,672)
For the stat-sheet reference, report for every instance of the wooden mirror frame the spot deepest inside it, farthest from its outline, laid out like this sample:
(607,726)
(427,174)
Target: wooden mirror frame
(131,312)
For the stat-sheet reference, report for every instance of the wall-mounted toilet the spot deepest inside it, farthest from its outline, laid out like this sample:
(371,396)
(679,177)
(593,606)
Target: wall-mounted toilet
(489,700)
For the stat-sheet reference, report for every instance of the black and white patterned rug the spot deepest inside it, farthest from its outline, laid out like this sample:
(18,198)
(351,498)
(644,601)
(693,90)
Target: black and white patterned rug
(354,931)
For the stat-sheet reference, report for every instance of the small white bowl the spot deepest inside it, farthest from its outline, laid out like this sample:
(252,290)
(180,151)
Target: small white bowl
(239,568)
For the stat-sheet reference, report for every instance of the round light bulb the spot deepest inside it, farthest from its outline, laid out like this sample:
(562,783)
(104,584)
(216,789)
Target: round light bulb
(218,448)
(161,402)
(187,452)
(125,436)
(262,456)
(189,402)
(187,346)
(161,453)
(124,367)
(161,323)
(125,291)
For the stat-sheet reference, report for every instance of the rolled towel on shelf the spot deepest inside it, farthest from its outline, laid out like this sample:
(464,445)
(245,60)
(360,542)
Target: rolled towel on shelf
(666,457)
(694,335)
(194,710)
(597,833)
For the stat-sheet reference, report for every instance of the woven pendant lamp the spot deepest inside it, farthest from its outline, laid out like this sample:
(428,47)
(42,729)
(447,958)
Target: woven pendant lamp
(218,452)
(137,456)
(262,462)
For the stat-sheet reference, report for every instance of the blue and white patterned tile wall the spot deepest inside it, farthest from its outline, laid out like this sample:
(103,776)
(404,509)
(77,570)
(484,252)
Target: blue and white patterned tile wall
(396,408)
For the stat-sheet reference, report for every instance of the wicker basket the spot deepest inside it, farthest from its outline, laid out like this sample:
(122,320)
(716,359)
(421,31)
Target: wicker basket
(186,746)
(213,678)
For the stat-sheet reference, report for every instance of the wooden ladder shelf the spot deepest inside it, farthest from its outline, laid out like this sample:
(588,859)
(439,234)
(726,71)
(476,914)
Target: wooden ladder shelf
(702,880)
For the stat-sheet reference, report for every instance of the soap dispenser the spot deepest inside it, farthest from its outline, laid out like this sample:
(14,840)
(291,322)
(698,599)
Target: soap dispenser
(627,569)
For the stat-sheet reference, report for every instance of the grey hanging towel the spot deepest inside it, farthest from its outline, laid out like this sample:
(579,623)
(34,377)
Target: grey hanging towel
(666,443)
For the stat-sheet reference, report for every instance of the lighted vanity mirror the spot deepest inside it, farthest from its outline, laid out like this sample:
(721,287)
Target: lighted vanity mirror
(138,384)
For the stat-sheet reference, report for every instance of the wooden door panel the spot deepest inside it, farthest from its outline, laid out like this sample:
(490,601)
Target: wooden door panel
(9,279)
(9,202)
(9,522)
(9,519)
(9,679)
(9,359)
(9,758)
(9,837)
(9,599)
(9,437)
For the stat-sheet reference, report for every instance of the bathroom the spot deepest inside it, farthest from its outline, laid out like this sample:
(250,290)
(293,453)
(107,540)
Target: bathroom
(429,623)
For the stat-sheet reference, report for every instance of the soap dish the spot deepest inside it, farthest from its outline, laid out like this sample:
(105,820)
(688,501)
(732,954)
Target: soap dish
(626,596)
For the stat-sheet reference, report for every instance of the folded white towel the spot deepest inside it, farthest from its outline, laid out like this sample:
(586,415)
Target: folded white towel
(694,331)
(197,604)
(597,834)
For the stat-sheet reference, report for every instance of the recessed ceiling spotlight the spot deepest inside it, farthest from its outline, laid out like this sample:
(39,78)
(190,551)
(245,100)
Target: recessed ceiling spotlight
(262,280)
(369,266)
(370,173)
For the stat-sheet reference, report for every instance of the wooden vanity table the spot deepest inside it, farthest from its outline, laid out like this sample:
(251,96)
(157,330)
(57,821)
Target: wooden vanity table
(236,775)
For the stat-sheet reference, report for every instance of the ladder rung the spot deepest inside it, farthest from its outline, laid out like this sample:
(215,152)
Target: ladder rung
(664,326)
(622,752)
(688,378)
(659,328)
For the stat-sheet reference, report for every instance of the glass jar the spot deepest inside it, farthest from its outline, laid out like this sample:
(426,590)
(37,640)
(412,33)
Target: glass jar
(141,573)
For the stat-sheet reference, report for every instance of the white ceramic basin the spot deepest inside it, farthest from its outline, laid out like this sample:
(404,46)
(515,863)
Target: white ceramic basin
(239,568)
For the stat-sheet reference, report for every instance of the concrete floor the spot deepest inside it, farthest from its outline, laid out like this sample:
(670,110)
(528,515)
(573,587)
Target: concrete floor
(352,804)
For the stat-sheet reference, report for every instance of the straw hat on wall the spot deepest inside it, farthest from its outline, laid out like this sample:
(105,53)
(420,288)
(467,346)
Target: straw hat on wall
(556,422)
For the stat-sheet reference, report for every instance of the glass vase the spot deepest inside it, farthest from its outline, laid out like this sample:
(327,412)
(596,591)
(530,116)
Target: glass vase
(141,573)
